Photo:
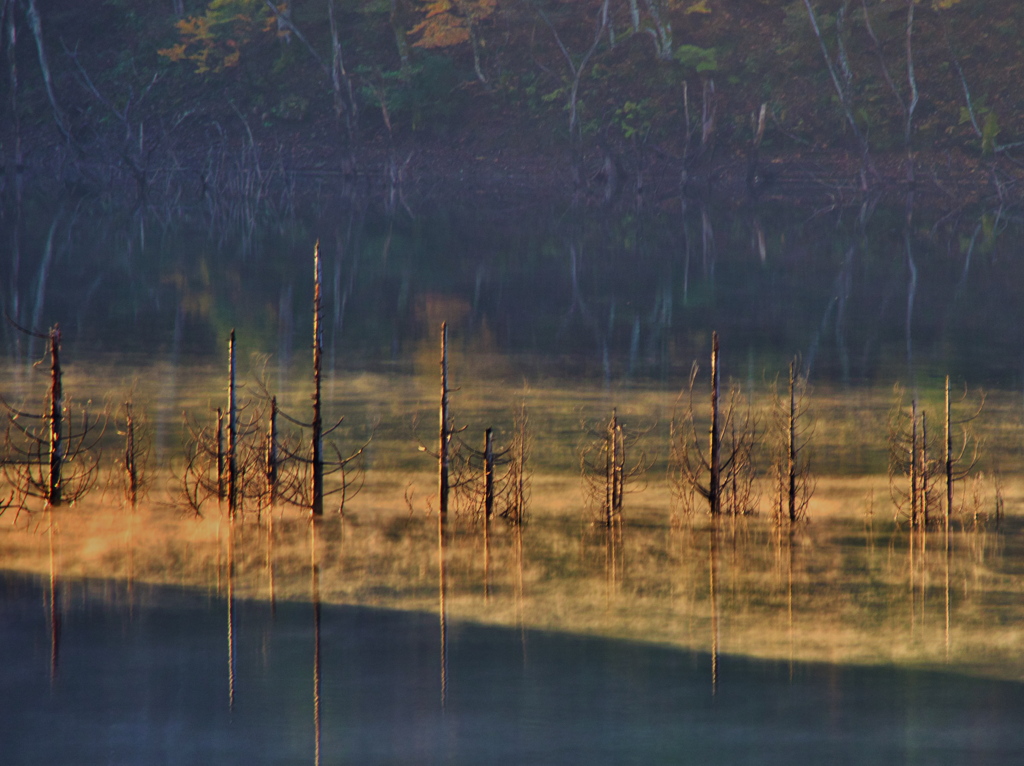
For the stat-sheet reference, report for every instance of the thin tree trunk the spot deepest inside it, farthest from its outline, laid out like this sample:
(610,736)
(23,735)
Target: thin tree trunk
(488,507)
(715,452)
(220,454)
(948,463)
(271,457)
(913,465)
(317,447)
(445,429)
(232,460)
(130,466)
(923,449)
(791,445)
(488,476)
(55,489)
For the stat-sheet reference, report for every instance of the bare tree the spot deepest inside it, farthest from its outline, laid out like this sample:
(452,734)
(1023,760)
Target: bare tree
(791,464)
(722,473)
(958,463)
(610,471)
(51,455)
(135,456)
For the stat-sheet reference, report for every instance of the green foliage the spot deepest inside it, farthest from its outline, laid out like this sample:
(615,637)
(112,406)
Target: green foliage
(424,95)
(700,59)
(634,118)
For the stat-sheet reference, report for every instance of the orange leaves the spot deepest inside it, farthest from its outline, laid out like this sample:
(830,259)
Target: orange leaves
(214,41)
(449,22)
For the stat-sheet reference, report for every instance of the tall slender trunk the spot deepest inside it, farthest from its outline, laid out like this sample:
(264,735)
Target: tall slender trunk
(130,465)
(488,475)
(221,489)
(231,457)
(55,416)
(791,446)
(271,456)
(923,451)
(715,450)
(913,465)
(317,458)
(948,463)
(445,429)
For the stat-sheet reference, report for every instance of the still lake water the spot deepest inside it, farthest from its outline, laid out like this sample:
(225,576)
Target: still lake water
(582,309)
(147,679)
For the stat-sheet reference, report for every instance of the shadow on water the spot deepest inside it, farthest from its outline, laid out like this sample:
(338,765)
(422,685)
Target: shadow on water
(144,691)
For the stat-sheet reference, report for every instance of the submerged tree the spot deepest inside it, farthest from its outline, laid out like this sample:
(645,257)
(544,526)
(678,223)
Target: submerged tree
(791,464)
(911,464)
(493,481)
(244,461)
(51,455)
(722,473)
(135,455)
(917,469)
(609,470)
(222,459)
(317,476)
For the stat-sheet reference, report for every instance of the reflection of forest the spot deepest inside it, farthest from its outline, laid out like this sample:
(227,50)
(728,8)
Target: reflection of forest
(860,295)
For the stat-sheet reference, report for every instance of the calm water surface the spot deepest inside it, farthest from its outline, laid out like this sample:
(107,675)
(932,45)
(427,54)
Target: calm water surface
(146,678)
(574,305)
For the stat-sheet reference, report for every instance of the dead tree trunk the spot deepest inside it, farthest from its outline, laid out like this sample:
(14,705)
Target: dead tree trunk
(445,428)
(924,469)
(615,459)
(221,488)
(488,476)
(55,417)
(914,500)
(715,438)
(131,467)
(231,454)
(791,447)
(948,463)
(271,461)
(317,457)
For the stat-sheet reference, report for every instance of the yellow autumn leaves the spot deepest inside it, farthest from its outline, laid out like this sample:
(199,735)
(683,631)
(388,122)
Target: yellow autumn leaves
(449,22)
(214,41)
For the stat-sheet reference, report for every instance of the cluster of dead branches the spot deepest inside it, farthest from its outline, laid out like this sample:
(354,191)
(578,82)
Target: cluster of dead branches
(50,455)
(923,477)
(721,472)
(492,481)
(790,436)
(610,471)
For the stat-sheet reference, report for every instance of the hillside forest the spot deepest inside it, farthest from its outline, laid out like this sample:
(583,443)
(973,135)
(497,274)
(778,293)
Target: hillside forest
(125,96)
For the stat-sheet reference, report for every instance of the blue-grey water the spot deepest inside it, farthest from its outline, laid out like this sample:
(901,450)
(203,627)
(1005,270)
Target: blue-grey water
(145,678)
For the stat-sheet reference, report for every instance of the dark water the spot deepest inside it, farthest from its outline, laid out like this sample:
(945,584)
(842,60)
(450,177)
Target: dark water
(145,679)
